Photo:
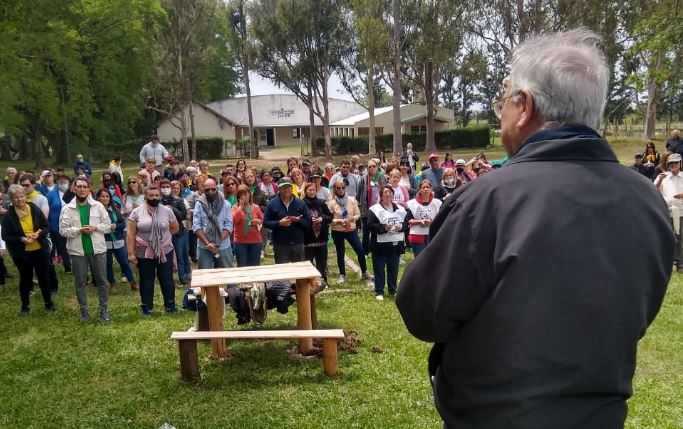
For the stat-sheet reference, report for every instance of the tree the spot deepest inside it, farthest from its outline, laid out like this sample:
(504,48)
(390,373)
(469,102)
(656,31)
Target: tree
(300,44)
(362,69)
(241,44)
(184,44)
(434,34)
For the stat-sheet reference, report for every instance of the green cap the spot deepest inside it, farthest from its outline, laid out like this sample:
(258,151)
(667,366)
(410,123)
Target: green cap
(285,181)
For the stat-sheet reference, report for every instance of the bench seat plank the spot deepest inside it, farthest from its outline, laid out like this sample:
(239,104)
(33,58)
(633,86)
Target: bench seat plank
(252,335)
(259,274)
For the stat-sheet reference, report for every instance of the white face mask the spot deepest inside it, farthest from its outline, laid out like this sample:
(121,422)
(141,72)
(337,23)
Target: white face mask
(166,191)
(63,187)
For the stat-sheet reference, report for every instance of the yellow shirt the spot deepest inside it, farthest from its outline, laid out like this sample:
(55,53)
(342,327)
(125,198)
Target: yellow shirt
(27,226)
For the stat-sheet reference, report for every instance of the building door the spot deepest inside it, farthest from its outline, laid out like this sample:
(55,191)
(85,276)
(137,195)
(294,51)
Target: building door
(270,139)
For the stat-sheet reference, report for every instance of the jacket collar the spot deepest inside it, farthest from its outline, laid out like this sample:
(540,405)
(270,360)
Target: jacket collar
(564,143)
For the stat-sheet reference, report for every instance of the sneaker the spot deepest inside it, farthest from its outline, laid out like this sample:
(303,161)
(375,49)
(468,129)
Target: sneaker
(145,311)
(263,254)
(367,276)
(341,279)
(124,279)
(85,316)
(24,312)
(172,310)
(379,297)
(104,315)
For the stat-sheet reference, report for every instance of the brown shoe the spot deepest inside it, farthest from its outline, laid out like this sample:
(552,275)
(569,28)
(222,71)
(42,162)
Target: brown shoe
(112,287)
(134,286)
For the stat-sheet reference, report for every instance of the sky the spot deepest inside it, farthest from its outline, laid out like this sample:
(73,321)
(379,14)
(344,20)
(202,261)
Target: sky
(261,86)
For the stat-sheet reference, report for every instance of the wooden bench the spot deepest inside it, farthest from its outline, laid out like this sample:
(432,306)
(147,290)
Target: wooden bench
(187,343)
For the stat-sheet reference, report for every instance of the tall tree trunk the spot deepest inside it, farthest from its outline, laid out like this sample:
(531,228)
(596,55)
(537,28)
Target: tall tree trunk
(37,146)
(311,124)
(371,109)
(326,116)
(192,132)
(653,94)
(253,143)
(396,82)
(183,137)
(430,145)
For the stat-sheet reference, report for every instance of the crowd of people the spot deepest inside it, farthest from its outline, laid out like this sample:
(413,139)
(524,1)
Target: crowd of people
(168,216)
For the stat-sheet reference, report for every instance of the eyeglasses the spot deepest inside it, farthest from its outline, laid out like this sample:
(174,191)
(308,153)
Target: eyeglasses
(372,166)
(498,105)
(232,184)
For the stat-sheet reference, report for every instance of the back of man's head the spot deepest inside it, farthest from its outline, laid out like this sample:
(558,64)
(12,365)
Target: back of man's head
(566,74)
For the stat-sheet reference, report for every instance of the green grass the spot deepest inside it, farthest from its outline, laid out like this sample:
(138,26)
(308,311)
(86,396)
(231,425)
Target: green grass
(58,372)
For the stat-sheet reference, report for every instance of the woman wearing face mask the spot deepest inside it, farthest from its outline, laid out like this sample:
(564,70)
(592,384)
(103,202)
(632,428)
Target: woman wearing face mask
(150,247)
(385,222)
(179,238)
(116,244)
(56,199)
(449,183)
(317,233)
(421,212)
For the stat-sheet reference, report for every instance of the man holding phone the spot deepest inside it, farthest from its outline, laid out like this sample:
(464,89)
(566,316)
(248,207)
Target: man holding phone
(287,216)
(83,222)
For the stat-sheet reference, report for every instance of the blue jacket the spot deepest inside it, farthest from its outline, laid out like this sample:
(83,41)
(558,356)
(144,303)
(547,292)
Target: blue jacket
(55,202)
(277,210)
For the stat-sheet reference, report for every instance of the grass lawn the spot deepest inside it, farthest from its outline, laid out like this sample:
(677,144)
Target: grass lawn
(60,373)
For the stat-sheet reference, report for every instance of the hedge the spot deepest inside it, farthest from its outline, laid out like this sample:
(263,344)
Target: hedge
(457,138)
(207,148)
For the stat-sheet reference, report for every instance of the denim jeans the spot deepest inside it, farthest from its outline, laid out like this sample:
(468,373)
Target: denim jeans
(386,258)
(206,259)
(248,255)
(121,255)
(147,269)
(418,248)
(352,237)
(181,246)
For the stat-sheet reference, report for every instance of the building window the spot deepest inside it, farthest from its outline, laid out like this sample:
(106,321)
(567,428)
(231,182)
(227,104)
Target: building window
(418,129)
(295,133)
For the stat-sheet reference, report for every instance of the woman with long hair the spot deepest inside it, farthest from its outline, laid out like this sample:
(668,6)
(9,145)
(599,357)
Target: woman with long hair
(25,230)
(651,159)
(150,228)
(318,231)
(134,197)
(421,212)
(298,182)
(449,183)
(115,240)
(230,185)
(240,169)
(247,220)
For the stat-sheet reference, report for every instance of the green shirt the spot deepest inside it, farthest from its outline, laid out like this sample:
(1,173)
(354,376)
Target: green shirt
(84,210)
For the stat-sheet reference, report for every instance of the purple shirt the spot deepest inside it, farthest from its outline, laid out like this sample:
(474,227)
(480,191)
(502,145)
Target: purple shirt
(143,218)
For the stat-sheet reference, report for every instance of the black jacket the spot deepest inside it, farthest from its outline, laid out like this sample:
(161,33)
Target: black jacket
(12,232)
(547,275)
(324,212)
(178,206)
(377,228)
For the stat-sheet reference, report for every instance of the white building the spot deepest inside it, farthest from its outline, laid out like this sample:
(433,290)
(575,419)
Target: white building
(283,120)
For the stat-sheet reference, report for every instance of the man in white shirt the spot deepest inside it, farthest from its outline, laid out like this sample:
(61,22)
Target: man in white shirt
(155,150)
(671,186)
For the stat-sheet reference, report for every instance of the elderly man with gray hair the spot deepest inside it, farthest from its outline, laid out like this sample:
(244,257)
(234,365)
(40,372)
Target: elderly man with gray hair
(548,273)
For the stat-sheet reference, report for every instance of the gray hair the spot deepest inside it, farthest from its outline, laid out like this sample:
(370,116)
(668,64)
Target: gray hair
(10,170)
(14,190)
(567,75)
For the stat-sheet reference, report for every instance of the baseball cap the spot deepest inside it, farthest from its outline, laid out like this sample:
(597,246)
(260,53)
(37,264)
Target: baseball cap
(316,176)
(460,162)
(306,162)
(46,173)
(674,157)
(275,170)
(284,182)
(638,155)
(191,169)
(433,155)
(169,158)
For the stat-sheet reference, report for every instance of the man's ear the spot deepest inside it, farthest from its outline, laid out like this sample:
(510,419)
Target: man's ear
(527,115)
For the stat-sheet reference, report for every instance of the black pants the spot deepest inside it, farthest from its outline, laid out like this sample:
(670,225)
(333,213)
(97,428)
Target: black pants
(37,260)
(148,269)
(59,243)
(3,271)
(318,256)
(192,243)
(289,253)
(366,235)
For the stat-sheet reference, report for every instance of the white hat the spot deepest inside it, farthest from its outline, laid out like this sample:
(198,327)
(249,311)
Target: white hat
(460,162)
(674,157)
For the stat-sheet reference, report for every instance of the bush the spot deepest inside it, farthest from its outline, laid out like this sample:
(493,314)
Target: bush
(207,148)
(456,138)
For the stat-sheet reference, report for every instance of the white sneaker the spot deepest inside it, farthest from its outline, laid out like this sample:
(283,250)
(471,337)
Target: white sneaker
(341,279)
(379,297)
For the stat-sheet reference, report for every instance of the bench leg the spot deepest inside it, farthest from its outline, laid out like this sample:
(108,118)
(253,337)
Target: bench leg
(215,315)
(330,361)
(303,310)
(189,363)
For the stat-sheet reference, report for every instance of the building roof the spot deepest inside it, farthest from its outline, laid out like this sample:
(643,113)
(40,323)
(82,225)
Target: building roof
(351,121)
(408,114)
(279,110)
